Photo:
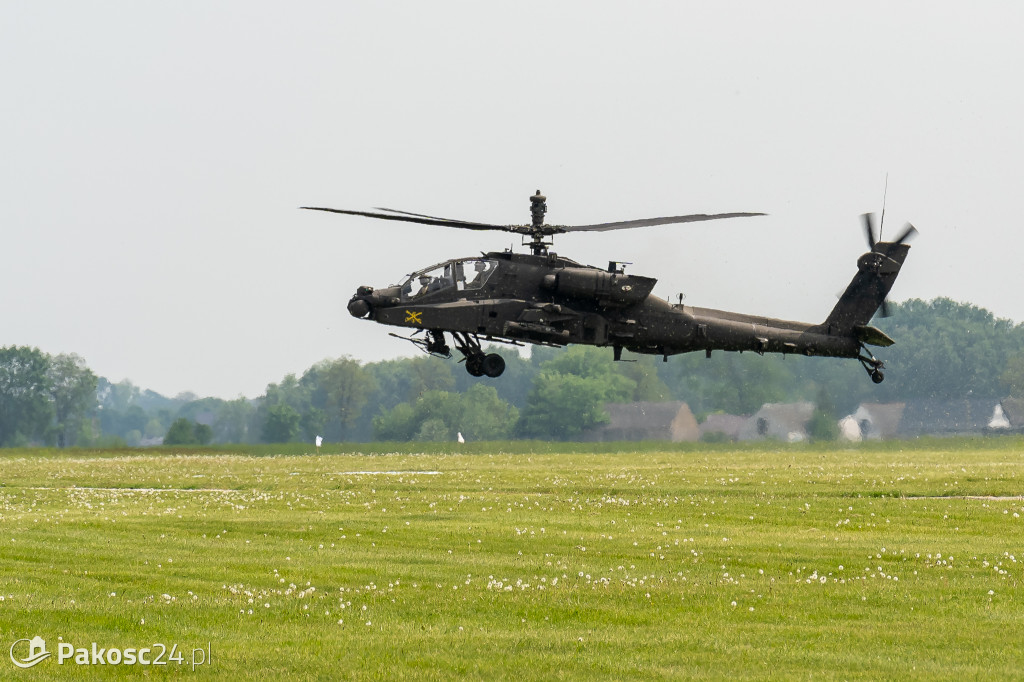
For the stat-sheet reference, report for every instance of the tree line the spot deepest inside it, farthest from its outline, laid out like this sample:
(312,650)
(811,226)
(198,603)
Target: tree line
(45,398)
(944,350)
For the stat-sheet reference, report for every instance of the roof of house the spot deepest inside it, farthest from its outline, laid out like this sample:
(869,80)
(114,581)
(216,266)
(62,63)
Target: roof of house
(647,421)
(1013,408)
(728,424)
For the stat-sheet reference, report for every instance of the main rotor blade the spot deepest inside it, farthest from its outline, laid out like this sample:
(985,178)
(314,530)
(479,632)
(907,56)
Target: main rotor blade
(432,217)
(869,229)
(647,222)
(412,218)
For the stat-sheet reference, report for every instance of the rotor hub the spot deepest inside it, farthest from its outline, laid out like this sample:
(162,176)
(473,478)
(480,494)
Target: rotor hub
(538,207)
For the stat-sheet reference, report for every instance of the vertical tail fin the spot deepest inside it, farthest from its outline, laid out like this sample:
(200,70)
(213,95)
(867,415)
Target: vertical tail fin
(876,273)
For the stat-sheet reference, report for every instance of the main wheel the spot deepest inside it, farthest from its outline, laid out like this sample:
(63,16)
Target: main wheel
(877,376)
(493,365)
(475,365)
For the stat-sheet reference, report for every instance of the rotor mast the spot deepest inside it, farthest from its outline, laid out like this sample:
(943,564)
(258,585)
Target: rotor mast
(538,207)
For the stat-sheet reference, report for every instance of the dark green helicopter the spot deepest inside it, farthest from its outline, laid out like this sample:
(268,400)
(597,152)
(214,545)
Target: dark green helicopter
(543,298)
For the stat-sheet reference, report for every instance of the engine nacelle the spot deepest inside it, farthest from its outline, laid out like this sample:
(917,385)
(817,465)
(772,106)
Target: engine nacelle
(608,288)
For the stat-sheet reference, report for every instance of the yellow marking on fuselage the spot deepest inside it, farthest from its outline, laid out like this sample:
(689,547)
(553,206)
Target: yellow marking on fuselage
(413,317)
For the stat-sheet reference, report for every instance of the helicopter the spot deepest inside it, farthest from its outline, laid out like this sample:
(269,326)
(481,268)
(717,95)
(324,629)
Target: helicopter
(543,298)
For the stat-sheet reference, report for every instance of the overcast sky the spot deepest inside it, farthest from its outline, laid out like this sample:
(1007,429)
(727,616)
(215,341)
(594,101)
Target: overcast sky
(154,156)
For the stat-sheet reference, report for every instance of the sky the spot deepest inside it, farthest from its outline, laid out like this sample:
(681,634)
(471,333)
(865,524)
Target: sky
(154,156)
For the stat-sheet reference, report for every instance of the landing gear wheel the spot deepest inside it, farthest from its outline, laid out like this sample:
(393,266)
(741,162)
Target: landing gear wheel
(475,365)
(493,365)
(877,376)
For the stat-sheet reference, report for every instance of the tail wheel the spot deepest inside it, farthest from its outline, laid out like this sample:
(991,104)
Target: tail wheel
(872,365)
(493,365)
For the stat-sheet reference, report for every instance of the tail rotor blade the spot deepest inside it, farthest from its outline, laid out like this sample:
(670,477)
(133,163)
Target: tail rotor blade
(869,229)
(886,310)
(908,233)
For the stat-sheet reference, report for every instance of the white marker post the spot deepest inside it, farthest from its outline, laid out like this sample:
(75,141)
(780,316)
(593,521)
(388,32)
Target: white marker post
(319,442)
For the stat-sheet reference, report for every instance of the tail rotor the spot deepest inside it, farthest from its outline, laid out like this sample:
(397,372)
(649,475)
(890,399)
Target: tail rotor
(882,248)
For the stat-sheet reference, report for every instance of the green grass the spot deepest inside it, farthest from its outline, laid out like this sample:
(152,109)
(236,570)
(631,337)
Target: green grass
(523,560)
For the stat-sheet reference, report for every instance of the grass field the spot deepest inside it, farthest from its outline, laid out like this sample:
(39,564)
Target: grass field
(525,561)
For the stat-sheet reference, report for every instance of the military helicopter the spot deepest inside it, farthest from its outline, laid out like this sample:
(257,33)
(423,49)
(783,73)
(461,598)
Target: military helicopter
(543,298)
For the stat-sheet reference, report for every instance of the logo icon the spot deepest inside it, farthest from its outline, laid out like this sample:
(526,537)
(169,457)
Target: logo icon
(413,317)
(36,652)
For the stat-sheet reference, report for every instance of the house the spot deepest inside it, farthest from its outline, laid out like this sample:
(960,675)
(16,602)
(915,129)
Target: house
(725,426)
(915,418)
(849,429)
(781,421)
(947,417)
(876,421)
(1013,410)
(672,421)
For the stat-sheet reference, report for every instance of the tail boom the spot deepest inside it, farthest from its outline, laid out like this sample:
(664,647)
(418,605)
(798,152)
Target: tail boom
(845,333)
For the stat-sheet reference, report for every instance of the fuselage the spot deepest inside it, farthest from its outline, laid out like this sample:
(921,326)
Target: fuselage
(553,300)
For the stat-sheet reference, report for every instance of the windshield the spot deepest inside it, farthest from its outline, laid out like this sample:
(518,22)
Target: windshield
(466,274)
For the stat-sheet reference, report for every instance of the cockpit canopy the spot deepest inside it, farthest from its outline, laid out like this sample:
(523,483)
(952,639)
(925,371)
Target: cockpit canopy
(465,274)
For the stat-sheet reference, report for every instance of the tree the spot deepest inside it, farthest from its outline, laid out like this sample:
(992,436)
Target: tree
(182,432)
(131,413)
(1012,378)
(823,424)
(562,406)
(484,415)
(279,415)
(737,383)
(434,430)
(73,392)
(406,379)
(340,389)
(947,350)
(644,373)
(232,422)
(25,408)
(117,397)
(479,414)
(281,425)
(203,433)
(406,420)
(132,419)
(399,381)
(569,394)
(398,424)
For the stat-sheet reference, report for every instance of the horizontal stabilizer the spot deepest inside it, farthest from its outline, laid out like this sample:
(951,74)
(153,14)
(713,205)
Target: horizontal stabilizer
(872,336)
